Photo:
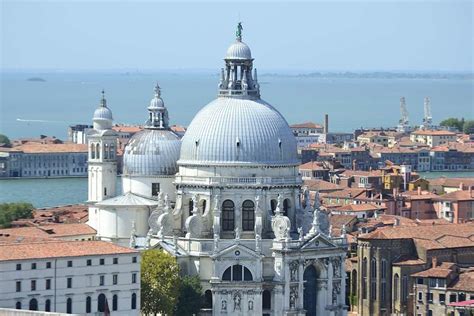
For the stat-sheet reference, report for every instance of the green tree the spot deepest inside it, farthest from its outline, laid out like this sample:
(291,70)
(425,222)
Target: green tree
(5,140)
(160,282)
(468,127)
(453,122)
(190,298)
(12,211)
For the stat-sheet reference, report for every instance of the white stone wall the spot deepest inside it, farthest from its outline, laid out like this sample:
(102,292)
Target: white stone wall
(85,282)
(142,185)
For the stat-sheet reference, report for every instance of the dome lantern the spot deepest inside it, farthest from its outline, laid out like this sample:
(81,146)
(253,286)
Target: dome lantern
(158,114)
(236,77)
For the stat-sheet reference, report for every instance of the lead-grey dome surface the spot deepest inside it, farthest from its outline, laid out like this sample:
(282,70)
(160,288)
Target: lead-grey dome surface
(152,152)
(102,113)
(231,131)
(238,50)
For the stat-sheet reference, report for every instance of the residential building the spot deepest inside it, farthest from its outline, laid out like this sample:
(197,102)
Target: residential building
(379,138)
(456,206)
(388,256)
(433,137)
(77,134)
(314,170)
(74,277)
(442,289)
(444,185)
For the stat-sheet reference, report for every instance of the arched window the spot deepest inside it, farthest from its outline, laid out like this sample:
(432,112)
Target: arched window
(18,305)
(204,203)
(207,299)
(88,304)
(134,301)
(69,305)
(47,306)
(115,302)
(101,303)
(97,151)
(266,300)
(248,215)
(92,151)
(190,207)
(396,285)
(373,279)
(228,215)
(237,272)
(106,151)
(286,206)
(273,206)
(33,304)
(364,278)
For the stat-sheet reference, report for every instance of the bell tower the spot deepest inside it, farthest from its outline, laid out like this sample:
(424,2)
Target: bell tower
(102,160)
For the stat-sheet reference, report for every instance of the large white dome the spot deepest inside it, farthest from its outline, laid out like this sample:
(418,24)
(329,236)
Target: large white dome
(234,131)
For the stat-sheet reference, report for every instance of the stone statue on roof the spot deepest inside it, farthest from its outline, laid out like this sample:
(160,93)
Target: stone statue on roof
(238,33)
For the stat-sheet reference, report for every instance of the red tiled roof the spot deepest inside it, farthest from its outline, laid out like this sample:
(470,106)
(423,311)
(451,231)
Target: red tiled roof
(312,165)
(306,125)
(33,148)
(464,195)
(51,231)
(321,185)
(42,250)
(434,133)
(127,128)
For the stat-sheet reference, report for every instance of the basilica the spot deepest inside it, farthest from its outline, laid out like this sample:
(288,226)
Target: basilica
(226,201)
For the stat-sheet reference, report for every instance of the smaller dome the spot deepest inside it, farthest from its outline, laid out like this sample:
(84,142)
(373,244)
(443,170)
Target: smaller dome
(238,50)
(152,152)
(156,103)
(103,113)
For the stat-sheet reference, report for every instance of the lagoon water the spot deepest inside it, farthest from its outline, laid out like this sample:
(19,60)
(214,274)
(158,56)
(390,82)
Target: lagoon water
(70,98)
(53,192)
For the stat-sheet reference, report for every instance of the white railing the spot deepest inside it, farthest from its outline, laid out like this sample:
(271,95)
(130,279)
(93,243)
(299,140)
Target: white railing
(238,180)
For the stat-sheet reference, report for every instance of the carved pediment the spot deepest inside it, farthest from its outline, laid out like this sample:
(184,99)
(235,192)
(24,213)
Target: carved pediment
(236,252)
(318,241)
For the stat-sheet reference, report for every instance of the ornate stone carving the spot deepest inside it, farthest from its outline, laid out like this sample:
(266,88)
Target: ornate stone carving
(237,301)
(165,221)
(280,224)
(250,305)
(293,296)
(336,267)
(194,222)
(237,233)
(148,239)
(216,225)
(224,305)
(153,219)
(294,266)
(336,290)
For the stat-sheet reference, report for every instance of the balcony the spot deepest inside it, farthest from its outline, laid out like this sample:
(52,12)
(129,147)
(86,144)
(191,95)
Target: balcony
(239,181)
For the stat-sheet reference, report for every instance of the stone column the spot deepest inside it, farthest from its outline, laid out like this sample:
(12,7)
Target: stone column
(330,284)
(238,213)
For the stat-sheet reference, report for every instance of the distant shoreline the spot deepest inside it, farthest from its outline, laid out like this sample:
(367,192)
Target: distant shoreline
(375,75)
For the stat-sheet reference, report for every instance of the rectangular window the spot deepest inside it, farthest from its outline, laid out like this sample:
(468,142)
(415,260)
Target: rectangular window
(33,266)
(18,286)
(441,283)
(69,263)
(432,282)
(429,297)
(419,281)
(442,298)
(89,262)
(420,296)
(48,284)
(101,280)
(115,279)
(69,283)
(33,285)
(115,260)
(134,259)
(18,266)
(155,189)
(48,265)
(452,298)
(134,278)
(102,262)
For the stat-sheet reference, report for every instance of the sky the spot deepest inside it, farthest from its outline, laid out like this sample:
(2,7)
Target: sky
(284,36)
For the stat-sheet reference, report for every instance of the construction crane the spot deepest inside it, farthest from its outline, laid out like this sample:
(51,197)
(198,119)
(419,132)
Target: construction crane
(404,112)
(427,119)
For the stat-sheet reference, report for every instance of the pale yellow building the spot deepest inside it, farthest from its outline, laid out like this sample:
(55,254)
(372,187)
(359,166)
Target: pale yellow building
(433,138)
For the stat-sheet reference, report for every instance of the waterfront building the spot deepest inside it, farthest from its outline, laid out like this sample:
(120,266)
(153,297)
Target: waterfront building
(73,277)
(433,137)
(77,134)
(387,258)
(234,215)
(37,160)
(307,133)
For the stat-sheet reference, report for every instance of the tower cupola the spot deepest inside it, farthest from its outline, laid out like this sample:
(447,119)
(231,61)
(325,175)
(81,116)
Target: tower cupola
(102,115)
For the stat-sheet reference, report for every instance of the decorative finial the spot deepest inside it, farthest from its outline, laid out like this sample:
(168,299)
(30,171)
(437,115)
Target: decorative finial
(238,33)
(103,102)
(157,90)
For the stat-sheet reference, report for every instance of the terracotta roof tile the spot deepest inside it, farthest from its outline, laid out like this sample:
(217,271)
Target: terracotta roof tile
(41,250)
(32,148)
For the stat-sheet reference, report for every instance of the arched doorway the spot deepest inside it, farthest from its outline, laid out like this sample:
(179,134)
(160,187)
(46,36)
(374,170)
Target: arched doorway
(310,290)
(101,301)
(33,304)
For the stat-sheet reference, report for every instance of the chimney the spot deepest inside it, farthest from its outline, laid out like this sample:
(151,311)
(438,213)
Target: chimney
(326,123)
(434,262)
(397,222)
(461,186)
(419,190)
